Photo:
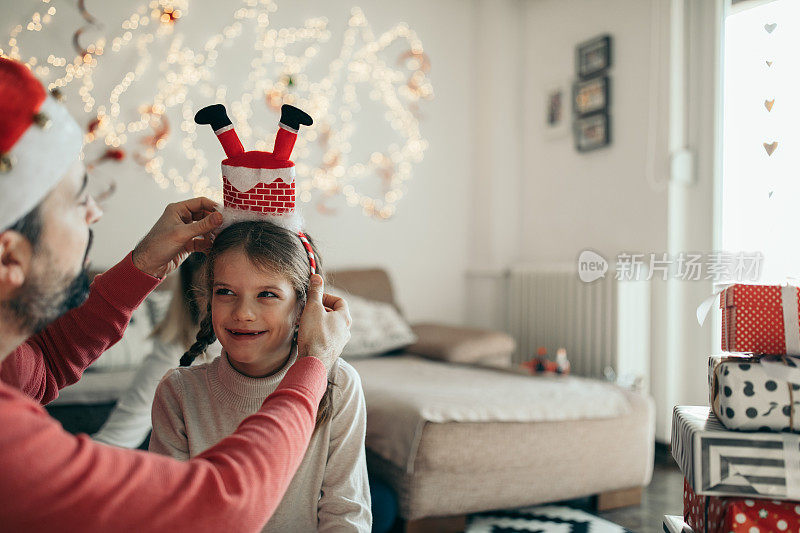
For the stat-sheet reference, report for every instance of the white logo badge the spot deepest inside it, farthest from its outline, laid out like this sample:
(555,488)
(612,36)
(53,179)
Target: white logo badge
(591,266)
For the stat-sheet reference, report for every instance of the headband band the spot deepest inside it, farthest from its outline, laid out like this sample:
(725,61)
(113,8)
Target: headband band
(307,245)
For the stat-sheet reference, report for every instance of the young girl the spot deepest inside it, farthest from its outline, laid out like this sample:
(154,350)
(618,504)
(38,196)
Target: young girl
(257,276)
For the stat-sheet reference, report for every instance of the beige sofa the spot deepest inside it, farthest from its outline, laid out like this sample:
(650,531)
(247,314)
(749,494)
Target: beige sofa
(459,466)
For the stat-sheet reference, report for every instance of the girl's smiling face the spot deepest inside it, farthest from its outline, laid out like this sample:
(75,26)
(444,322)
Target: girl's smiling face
(254,312)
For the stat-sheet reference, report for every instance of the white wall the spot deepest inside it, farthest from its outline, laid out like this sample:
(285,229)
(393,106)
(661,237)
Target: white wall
(496,157)
(603,199)
(424,246)
(612,200)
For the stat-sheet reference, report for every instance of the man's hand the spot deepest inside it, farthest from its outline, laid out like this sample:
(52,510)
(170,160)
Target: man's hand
(185,227)
(324,325)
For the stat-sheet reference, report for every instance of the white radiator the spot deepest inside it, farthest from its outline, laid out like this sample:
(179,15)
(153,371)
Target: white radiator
(603,324)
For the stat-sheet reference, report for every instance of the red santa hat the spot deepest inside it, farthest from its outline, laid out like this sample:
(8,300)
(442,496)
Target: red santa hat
(39,140)
(259,185)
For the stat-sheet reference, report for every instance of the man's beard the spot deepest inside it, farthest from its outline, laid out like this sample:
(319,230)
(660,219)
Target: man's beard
(47,294)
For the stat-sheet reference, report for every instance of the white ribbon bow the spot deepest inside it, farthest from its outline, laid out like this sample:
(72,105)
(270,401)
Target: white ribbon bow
(704,308)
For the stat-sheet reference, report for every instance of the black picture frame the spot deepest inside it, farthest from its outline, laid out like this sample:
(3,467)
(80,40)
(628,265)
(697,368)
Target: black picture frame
(592,132)
(590,96)
(556,107)
(593,56)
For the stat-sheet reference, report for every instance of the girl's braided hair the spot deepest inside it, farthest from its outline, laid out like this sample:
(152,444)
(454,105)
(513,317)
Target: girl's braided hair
(267,246)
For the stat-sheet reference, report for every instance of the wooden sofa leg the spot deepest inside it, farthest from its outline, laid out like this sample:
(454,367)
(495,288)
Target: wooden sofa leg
(437,524)
(618,498)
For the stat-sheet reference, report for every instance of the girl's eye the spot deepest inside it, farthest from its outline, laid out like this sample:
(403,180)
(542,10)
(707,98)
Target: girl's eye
(84,201)
(223,292)
(266,294)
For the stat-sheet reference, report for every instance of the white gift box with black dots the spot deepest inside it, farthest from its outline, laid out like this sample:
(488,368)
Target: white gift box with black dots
(755,392)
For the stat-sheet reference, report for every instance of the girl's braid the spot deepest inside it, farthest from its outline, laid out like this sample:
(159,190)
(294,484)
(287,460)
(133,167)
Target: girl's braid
(205,336)
(325,410)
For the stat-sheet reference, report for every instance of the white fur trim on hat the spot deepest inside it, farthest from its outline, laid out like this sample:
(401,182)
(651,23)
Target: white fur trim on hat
(230,215)
(40,159)
(244,178)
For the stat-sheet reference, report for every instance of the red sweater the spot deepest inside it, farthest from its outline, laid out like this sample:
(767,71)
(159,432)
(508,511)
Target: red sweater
(53,481)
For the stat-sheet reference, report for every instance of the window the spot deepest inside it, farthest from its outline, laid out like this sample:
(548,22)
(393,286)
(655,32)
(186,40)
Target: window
(761,192)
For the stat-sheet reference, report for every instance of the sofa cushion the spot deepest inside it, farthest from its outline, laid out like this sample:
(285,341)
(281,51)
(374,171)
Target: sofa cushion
(96,388)
(370,283)
(377,327)
(462,345)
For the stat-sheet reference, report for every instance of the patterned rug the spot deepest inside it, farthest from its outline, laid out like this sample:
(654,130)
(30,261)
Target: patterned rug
(543,519)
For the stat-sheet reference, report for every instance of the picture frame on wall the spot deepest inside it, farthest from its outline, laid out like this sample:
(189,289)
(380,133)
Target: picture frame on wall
(557,109)
(592,132)
(593,56)
(591,96)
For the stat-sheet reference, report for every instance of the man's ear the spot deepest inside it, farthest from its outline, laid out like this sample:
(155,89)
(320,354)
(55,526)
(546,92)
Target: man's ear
(16,255)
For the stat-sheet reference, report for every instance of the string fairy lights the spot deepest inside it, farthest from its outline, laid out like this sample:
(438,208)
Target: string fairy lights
(280,67)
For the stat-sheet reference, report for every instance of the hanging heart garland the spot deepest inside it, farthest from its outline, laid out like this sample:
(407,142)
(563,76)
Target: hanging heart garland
(770,147)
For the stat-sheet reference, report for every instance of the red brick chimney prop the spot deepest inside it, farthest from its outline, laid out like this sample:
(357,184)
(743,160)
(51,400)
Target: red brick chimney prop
(258,185)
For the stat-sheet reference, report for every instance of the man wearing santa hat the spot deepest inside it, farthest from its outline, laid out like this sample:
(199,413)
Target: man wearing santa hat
(56,481)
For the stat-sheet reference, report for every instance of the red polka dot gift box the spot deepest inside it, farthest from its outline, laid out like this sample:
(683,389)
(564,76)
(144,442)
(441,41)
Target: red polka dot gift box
(712,514)
(761,319)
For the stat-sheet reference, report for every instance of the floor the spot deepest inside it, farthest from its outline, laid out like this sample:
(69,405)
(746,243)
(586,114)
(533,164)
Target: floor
(663,496)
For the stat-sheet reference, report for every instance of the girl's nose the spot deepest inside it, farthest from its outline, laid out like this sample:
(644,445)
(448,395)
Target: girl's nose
(243,312)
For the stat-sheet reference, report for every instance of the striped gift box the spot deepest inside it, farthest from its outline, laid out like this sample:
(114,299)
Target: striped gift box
(719,462)
(675,524)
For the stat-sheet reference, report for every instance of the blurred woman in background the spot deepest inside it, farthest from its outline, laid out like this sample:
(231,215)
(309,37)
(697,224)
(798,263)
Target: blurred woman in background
(129,424)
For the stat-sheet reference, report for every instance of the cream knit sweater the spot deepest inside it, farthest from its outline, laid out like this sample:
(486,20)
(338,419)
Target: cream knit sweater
(196,407)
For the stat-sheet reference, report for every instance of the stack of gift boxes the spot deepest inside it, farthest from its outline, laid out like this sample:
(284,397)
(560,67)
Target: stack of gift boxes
(740,458)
